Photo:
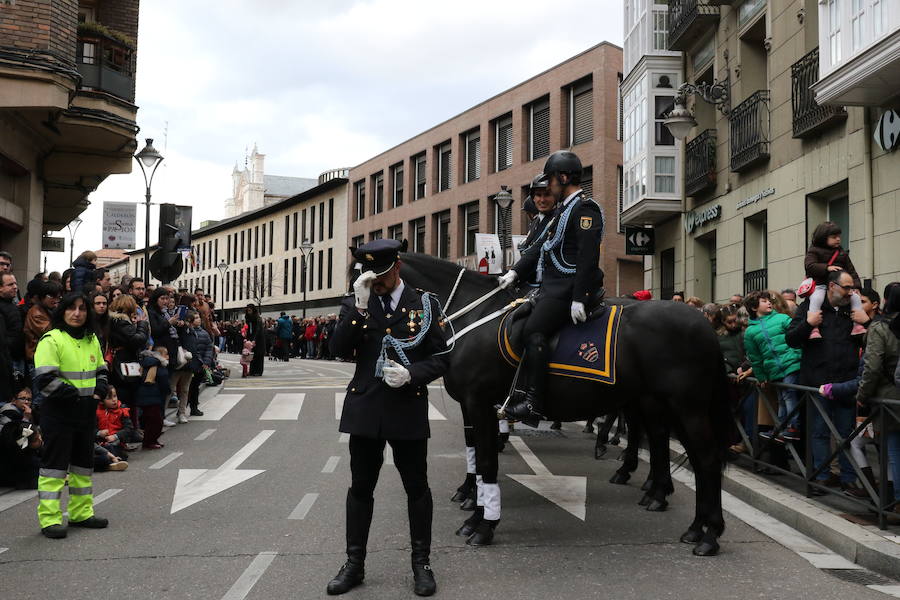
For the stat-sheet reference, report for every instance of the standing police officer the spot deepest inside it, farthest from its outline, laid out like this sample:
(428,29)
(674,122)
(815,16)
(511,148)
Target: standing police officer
(387,401)
(565,264)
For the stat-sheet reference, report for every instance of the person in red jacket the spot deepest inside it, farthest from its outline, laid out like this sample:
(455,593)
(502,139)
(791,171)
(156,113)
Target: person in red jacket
(114,429)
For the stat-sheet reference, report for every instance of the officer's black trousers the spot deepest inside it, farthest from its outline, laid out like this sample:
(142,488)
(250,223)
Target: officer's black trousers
(548,317)
(367,456)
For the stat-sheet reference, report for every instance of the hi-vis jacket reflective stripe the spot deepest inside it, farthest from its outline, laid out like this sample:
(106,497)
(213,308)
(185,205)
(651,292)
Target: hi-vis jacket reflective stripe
(77,362)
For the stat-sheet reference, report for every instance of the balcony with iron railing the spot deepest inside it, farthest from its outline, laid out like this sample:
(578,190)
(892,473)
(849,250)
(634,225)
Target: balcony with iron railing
(755,281)
(700,163)
(808,116)
(750,131)
(688,20)
(106,65)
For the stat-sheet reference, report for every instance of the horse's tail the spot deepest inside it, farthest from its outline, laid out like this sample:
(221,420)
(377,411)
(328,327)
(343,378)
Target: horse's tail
(722,414)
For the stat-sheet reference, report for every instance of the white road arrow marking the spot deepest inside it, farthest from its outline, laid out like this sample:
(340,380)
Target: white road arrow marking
(339,404)
(566,491)
(195,485)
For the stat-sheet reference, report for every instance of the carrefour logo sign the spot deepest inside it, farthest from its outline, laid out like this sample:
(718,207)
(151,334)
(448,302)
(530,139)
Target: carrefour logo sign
(695,219)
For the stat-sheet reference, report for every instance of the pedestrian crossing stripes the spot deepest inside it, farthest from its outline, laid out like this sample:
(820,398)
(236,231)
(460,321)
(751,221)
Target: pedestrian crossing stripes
(303,507)
(204,435)
(14,498)
(283,407)
(218,406)
(250,576)
(161,463)
(331,464)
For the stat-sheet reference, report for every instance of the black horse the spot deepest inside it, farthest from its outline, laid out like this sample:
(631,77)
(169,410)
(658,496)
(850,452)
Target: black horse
(668,367)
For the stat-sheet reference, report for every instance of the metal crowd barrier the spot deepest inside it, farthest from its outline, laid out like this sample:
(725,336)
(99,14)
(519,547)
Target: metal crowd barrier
(882,412)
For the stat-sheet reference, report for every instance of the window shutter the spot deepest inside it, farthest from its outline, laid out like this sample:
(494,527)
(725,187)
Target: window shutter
(445,156)
(420,177)
(473,156)
(504,143)
(620,198)
(582,112)
(540,135)
(587,182)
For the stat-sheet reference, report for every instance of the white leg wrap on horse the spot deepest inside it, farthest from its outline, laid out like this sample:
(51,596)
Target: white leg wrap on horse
(491,498)
(504,426)
(479,493)
(470,459)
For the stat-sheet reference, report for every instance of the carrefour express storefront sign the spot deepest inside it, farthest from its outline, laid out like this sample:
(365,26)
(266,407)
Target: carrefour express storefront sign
(695,218)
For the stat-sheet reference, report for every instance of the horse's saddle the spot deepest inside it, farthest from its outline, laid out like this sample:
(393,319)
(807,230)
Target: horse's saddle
(583,351)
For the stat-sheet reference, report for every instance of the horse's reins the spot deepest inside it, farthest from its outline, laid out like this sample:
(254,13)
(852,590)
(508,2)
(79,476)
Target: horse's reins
(475,303)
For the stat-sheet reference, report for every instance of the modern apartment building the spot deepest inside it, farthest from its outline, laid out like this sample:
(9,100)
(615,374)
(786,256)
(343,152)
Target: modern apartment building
(67,113)
(437,189)
(788,144)
(286,256)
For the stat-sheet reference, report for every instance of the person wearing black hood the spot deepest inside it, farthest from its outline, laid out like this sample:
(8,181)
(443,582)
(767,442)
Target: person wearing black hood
(83,279)
(256,333)
(70,376)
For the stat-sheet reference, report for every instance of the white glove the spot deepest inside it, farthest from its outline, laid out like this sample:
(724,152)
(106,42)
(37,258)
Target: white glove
(507,279)
(362,289)
(578,314)
(23,441)
(395,375)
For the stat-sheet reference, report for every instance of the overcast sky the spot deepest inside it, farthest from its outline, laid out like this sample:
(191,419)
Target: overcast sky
(318,85)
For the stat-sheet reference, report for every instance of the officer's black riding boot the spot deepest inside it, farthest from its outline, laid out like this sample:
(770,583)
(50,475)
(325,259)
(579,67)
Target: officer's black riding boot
(359,518)
(528,410)
(420,538)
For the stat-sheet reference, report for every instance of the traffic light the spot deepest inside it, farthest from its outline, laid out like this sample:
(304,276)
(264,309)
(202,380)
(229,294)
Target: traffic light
(174,235)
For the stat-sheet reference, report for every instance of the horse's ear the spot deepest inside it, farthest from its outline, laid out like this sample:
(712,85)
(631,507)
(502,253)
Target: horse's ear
(352,250)
(404,244)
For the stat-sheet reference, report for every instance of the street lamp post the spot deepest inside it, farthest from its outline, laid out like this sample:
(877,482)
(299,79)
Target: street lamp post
(148,159)
(504,202)
(306,250)
(77,222)
(223,268)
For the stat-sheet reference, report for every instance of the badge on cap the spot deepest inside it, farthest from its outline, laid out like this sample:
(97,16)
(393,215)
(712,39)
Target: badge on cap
(586,222)
(369,257)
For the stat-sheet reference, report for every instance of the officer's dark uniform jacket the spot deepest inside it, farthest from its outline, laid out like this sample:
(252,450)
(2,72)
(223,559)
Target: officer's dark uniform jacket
(372,408)
(579,249)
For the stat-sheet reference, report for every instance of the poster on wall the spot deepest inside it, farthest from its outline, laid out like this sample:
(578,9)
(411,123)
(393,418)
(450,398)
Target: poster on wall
(119,224)
(488,255)
(517,240)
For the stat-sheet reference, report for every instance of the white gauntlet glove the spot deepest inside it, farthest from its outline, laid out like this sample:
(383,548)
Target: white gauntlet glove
(507,279)
(578,314)
(362,289)
(395,375)
(23,441)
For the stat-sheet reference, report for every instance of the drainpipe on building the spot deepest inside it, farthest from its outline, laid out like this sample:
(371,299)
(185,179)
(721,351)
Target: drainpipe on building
(868,194)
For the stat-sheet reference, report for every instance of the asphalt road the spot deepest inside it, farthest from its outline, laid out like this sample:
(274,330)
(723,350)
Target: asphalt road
(248,503)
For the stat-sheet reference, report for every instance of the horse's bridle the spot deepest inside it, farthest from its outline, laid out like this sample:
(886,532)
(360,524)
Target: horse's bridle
(475,303)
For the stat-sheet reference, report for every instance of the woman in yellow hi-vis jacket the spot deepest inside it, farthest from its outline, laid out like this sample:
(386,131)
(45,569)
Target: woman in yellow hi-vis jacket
(69,376)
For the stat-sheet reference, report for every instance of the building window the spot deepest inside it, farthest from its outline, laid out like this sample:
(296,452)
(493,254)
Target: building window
(270,280)
(376,235)
(858,22)
(303,262)
(472,147)
(241,284)
(330,265)
(633,129)
(834,30)
(284,284)
(242,250)
(417,234)
(294,275)
(539,129)
(303,225)
(660,29)
(331,218)
(442,240)
(587,182)
(262,245)
(312,224)
(255,242)
(581,112)
(470,226)
(359,193)
(397,185)
(445,166)
(312,271)
(321,266)
(378,196)
(228,247)
(503,143)
(287,231)
(663,105)
(667,274)
(395,232)
(227,289)
(358,241)
(664,174)
(321,221)
(271,237)
(421,178)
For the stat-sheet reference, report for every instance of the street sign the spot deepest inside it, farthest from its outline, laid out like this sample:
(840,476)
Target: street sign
(639,240)
(53,244)
(887,131)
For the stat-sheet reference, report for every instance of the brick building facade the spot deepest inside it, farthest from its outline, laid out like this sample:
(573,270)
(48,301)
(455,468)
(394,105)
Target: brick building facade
(437,189)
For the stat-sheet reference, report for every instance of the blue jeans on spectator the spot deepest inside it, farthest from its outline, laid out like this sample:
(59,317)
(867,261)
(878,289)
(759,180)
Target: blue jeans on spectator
(893,448)
(788,399)
(843,416)
(748,411)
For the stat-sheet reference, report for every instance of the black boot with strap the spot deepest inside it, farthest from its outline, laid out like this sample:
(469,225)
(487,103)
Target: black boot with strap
(420,511)
(359,518)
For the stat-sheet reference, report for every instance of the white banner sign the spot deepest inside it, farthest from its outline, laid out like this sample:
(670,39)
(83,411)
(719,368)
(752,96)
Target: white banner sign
(488,255)
(119,223)
(517,241)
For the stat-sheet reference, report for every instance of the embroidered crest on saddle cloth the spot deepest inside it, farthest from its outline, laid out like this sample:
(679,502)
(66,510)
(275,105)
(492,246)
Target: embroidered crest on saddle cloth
(584,351)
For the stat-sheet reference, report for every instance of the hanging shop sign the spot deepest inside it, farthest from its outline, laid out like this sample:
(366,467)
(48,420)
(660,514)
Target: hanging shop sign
(887,131)
(695,218)
(755,198)
(53,244)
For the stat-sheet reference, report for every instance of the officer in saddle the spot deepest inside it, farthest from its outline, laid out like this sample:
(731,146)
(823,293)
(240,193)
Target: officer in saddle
(395,337)
(540,205)
(564,262)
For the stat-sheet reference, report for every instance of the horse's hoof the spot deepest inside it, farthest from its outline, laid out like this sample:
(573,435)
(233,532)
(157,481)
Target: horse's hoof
(468,504)
(620,478)
(615,441)
(459,496)
(647,486)
(657,505)
(599,452)
(588,429)
(484,534)
(645,501)
(691,536)
(467,529)
(706,548)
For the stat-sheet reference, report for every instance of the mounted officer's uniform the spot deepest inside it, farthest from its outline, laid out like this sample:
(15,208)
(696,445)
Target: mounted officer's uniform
(395,328)
(564,262)
(539,220)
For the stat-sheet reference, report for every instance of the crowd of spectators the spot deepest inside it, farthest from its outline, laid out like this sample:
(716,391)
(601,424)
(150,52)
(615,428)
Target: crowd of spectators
(286,337)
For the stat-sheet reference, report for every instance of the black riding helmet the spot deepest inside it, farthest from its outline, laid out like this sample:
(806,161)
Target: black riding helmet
(529,206)
(540,181)
(563,162)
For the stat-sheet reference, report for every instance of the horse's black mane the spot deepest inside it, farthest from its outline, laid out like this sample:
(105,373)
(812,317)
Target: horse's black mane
(444,271)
